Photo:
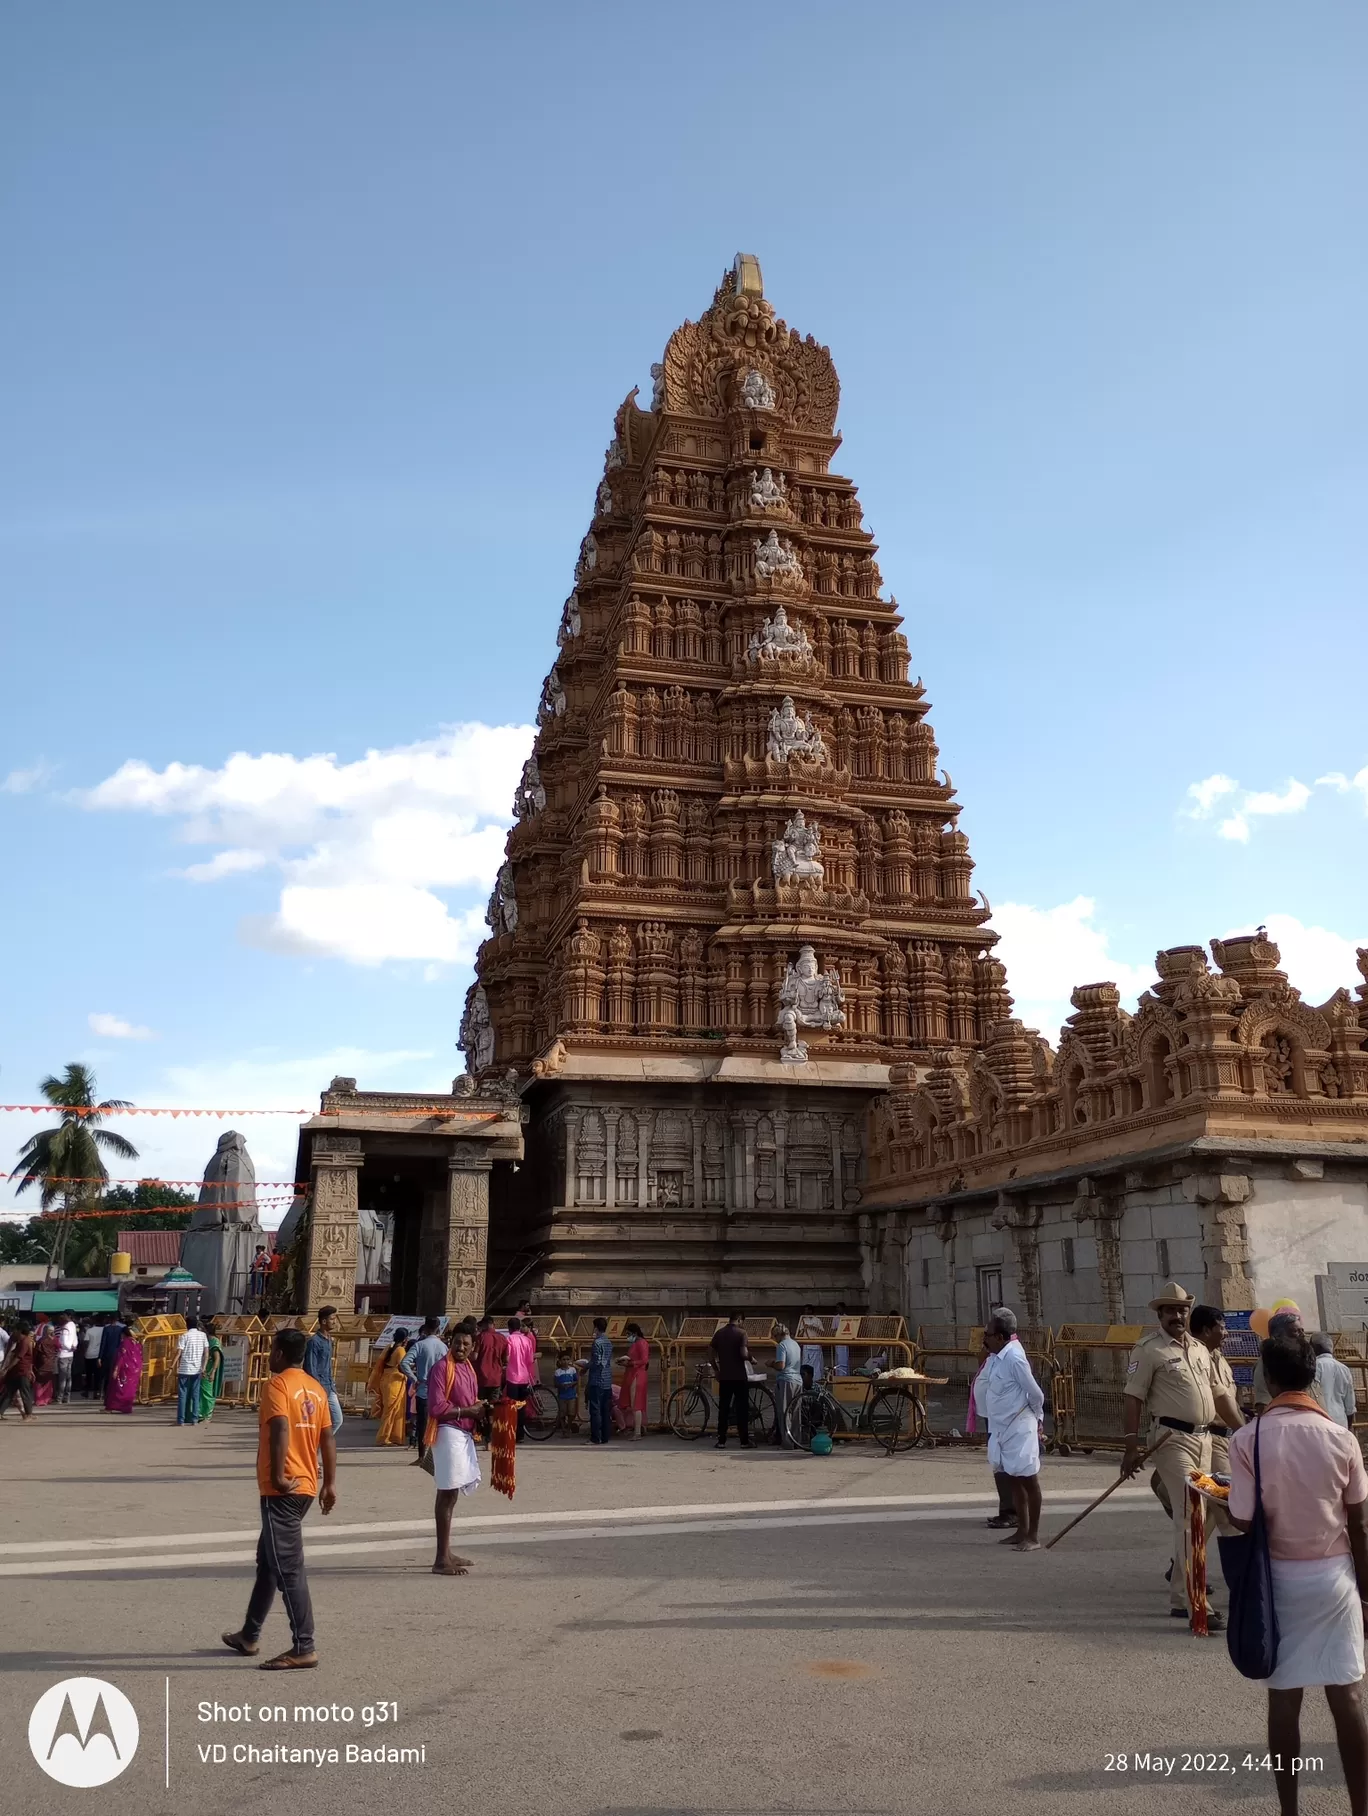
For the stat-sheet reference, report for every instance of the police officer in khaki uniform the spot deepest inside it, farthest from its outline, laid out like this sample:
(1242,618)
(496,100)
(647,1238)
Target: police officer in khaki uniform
(1208,1326)
(1169,1377)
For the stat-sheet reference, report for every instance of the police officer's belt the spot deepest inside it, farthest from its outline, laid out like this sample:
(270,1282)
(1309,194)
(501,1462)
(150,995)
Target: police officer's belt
(1219,1431)
(1182,1425)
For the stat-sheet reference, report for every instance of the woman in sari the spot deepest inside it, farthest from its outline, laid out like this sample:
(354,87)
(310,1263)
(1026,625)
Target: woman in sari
(632,1401)
(122,1390)
(392,1387)
(211,1375)
(45,1351)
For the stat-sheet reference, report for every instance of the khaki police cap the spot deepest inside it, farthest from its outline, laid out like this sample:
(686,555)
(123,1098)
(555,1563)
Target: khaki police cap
(1172,1294)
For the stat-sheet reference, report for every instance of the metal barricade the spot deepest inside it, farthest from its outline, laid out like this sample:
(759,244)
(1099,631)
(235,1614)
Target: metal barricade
(159,1333)
(1090,1373)
(657,1334)
(246,1359)
(352,1340)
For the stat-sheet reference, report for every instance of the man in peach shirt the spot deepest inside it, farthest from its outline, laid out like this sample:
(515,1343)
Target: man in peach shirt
(1314,1493)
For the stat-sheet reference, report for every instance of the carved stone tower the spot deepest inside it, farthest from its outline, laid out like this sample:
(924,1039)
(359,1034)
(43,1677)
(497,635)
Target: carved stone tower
(735,892)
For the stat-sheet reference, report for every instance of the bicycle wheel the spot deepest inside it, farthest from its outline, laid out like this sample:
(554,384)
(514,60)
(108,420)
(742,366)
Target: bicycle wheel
(810,1413)
(760,1404)
(540,1414)
(687,1412)
(896,1419)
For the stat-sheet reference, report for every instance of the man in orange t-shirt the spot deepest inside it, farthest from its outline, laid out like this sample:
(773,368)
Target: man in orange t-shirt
(295,1426)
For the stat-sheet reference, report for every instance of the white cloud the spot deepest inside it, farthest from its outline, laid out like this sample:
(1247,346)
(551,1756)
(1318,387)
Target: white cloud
(1047,951)
(114,1027)
(1206,794)
(1248,804)
(1316,960)
(24,781)
(362,847)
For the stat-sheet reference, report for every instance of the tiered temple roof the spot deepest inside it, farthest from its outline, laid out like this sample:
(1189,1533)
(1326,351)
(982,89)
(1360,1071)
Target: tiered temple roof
(731,763)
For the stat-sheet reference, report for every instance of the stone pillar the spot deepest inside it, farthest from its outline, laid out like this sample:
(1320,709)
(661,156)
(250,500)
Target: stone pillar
(1225,1247)
(1023,1220)
(610,1123)
(696,1120)
(572,1123)
(468,1227)
(330,1274)
(645,1123)
(780,1160)
(1105,1215)
(749,1118)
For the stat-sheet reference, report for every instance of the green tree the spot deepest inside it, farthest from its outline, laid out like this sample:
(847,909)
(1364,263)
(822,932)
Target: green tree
(66,1160)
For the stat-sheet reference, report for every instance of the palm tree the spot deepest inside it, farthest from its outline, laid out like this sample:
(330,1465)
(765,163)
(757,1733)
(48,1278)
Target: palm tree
(66,1159)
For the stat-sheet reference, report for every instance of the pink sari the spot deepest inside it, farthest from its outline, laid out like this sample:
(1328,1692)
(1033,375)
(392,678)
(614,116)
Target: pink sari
(122,1391)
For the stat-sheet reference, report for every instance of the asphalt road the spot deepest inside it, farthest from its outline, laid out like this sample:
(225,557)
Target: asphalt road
(647,1629)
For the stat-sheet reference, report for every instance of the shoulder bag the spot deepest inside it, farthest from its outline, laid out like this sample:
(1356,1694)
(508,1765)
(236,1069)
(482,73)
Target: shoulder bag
(1252,1627)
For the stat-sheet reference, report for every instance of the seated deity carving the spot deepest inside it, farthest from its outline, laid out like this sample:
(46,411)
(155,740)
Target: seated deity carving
(552,701)
(657,386)
(792,736)
(807,999)
(797,857)
(756,391)
(767,493)
(477,1035)
(776,560)
(777,637)
(530,796)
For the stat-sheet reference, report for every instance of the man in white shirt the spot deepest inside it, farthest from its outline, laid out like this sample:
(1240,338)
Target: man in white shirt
(1008,1395)
(190,1353)
(66,1354)
(1334,1386)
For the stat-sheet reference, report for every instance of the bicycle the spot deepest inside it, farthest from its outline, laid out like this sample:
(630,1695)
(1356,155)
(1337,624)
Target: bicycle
(542,1415)
(690,1410)
(892,1415)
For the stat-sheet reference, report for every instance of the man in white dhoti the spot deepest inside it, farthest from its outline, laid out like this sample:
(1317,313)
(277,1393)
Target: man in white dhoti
(1008,1396)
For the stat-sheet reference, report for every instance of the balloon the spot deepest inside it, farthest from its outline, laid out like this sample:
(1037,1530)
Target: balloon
(1286,1305)
(1258,1323)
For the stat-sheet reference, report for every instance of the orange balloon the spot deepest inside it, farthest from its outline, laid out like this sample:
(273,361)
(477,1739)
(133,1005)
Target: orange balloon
(1258,1323)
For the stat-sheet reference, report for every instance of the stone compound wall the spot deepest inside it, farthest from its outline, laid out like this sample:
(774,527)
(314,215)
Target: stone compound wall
(1095,1251)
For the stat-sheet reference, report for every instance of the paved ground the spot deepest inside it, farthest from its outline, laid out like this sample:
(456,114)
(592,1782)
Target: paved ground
(652,1628)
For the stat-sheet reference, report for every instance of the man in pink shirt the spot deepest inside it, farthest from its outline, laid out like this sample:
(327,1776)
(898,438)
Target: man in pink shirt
(1315,1500)
(520,1370)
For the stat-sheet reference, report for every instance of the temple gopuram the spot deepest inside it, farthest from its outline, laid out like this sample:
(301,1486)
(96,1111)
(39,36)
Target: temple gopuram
(735,892)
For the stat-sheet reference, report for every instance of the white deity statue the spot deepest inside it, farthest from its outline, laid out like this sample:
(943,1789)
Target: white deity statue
(613,457)
(776,560)
(530,796)
(767,492)
(552,701)
(589,553)
(756,391)
(501,916)
(792,736)
(807,999)
(777,637)
(657,386)
(603,502)
(570,624)
(797,857)
(476,1039)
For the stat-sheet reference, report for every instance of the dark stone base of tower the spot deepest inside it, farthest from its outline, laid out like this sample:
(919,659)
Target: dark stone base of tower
(728,1193)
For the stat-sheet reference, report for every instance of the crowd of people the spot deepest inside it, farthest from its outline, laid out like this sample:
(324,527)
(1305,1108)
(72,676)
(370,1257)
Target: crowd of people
(55,1358)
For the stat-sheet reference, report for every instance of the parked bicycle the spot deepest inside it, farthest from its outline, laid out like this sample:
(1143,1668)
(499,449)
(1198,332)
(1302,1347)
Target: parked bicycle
(543,1414)
(691,1410)
(892,1414)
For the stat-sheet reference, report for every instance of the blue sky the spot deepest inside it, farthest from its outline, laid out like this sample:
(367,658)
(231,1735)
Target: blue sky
(316,320)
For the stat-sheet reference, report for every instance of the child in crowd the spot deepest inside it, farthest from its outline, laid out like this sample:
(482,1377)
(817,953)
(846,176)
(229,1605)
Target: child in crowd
(566,1378)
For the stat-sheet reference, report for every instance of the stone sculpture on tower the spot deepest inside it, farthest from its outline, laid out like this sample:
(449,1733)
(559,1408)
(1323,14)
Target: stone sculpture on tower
(733,828)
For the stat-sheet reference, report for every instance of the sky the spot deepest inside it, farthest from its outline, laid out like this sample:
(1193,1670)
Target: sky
(315,322)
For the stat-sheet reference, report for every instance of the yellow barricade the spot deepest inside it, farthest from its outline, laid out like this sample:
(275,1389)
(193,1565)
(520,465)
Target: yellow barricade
(1091,1362)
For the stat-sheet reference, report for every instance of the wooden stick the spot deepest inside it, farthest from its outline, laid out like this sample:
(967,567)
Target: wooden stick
(1105,1492)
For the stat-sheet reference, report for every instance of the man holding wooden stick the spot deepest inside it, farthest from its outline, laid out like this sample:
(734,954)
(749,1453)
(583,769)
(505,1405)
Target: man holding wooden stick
(1169,1376)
